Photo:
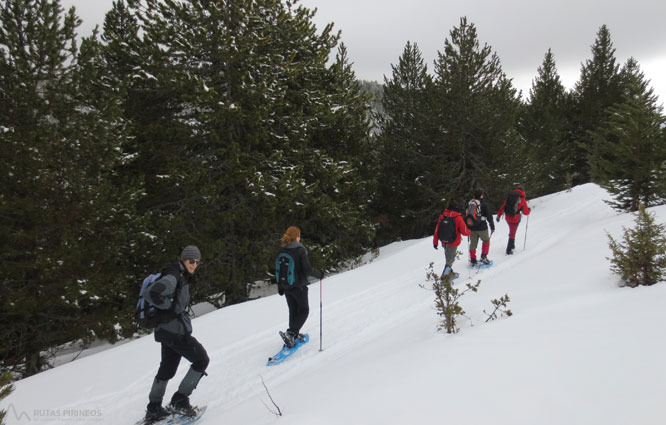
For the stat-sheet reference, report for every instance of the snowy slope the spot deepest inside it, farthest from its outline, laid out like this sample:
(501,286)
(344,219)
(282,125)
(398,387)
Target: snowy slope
(578,350)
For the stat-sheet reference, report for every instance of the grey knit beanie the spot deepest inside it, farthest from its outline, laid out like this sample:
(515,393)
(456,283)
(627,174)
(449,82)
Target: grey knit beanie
(190,252)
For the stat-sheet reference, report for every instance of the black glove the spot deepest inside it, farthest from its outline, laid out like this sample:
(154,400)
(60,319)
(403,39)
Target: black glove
(280,291)
(498,218)
(321,274)
(434,246)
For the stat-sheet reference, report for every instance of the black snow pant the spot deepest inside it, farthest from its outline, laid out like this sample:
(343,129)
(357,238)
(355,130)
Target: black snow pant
(299,308)
(184,346)
(173,350)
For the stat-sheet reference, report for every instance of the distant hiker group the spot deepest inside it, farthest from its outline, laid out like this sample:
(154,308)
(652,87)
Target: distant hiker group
(476,222)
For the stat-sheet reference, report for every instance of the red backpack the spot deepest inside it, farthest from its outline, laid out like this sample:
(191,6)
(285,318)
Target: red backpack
(473,213)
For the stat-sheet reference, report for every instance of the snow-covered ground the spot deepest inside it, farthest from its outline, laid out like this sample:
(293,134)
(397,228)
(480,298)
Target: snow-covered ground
(579,349)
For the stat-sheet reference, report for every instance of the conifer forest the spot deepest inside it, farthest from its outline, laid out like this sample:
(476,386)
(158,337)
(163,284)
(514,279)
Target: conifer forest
(221,123)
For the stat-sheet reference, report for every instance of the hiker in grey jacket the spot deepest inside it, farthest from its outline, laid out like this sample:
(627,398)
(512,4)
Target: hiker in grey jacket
(297,294)
(171,294)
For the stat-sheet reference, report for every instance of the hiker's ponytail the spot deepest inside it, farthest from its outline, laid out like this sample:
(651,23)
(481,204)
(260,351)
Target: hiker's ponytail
(290,235)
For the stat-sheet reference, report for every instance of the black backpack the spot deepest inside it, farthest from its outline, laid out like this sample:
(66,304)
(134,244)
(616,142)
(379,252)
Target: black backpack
(511,204)
(473,213)
(447,230)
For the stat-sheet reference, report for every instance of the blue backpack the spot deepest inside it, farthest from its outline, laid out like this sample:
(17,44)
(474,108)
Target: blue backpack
(147,315)
(284,270)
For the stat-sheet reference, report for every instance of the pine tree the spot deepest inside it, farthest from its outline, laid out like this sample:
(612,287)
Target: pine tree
(121,38)
(630,157)
(238,128)
(376,92)
(64,206)
(346,181)
(640,259)
(597,89)
(404,143)
(477,108)
(544,127)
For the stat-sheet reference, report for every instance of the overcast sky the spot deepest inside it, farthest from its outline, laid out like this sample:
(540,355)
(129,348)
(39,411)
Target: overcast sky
(519,31)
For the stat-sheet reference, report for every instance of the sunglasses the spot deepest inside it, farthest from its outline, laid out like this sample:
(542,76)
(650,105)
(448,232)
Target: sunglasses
(194,262)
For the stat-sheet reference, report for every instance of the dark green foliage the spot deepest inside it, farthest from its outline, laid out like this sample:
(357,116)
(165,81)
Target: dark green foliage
(347,180)
(598,88)
(65,209)
(6,388)
(443,138)
(208,123)
(376,92)
(630,153)
(405,144)
(544,127)
(222,123)
(242,130)
(477,144)
(640,258)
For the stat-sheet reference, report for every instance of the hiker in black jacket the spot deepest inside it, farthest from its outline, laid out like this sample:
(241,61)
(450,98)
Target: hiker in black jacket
(480,230)
(171,294)
(296,293)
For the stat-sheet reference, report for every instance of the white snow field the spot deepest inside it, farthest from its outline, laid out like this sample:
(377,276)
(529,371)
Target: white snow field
(580,349)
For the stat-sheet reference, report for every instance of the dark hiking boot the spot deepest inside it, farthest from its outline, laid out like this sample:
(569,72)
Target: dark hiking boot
(485,260)
(473,261)
(510,246)
(180,404)
(288,339)
(155,413)
(298,338)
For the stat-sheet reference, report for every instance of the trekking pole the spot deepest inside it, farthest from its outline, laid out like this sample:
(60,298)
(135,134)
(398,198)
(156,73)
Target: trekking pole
(527,223)
(321,341)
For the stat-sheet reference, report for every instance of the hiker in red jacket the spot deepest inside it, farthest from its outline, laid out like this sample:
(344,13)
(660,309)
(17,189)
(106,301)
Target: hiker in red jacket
(513,206)
(450,229)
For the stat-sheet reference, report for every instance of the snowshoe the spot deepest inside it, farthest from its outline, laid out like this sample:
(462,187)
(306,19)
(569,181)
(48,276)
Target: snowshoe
(155,413)
(449,273)
(180,405)
(290,339)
